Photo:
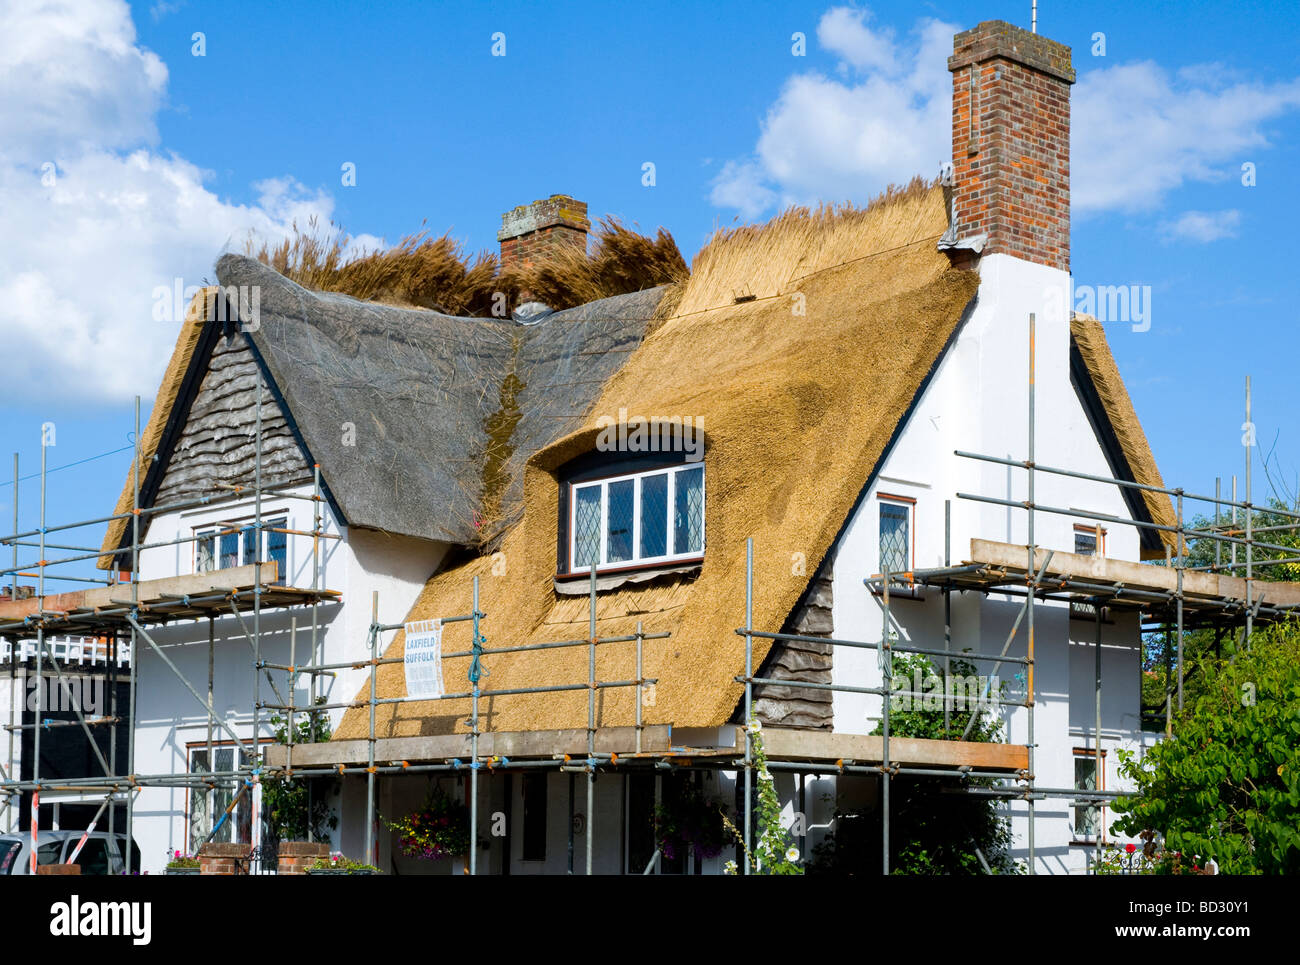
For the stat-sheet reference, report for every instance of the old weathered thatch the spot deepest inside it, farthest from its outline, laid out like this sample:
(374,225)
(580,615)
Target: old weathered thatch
(799,390)
(620,260)
(403,408)
(419,271)
(1089,340)
(436,273)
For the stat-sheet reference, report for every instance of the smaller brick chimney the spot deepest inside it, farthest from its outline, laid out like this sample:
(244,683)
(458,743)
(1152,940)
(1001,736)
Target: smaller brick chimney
(531,231)
(1011,142)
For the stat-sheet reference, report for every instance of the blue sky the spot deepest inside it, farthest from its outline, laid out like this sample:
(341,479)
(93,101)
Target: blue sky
(162,159)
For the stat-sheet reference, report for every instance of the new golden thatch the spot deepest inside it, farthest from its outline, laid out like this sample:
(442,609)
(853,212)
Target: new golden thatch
(799,387)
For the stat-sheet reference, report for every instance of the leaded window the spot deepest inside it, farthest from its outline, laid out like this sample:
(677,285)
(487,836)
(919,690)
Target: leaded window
(895,537)
(1087,817)
(637,519)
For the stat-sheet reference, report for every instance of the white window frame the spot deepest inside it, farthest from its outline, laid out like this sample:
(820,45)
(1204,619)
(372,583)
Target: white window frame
(278,520)
(637,561)
(1080,835)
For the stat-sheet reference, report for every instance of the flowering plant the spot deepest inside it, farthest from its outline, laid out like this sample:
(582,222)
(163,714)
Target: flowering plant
(775,851)
(1150,858)
(689,823)
(180,859)
(439,829)
(337,862)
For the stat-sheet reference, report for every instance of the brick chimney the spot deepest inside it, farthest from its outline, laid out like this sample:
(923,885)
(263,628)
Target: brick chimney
(1011,142)
(529,232)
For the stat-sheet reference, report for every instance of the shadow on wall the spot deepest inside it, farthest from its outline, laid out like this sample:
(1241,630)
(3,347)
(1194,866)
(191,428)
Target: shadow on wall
(397,557)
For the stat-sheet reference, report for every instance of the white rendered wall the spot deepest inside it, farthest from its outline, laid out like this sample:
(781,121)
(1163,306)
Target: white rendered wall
(169,718)
(977,402)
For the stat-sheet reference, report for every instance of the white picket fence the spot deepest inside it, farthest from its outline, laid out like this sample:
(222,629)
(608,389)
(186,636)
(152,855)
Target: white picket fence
(69,651)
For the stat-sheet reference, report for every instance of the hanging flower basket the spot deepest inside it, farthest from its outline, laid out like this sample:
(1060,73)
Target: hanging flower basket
(439,829)
(691,823)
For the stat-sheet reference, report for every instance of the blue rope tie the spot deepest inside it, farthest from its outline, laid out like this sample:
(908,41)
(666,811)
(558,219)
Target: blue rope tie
(476,668)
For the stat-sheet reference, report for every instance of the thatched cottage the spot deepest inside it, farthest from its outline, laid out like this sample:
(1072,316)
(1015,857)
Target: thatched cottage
(810,386)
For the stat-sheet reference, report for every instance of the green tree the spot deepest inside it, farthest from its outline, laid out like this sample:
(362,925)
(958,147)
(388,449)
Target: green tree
(296,809)
(1227,784)
(1267,526)
(1204,646)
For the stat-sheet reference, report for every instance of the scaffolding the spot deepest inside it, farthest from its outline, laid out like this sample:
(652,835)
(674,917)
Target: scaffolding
(123,611)
(1174,598)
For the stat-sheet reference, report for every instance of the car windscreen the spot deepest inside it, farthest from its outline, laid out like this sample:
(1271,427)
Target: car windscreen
(8,854)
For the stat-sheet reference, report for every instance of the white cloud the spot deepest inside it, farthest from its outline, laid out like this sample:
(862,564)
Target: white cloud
(832,139)
(844,32)
(1139,131)
(80,257)
(72,77)
(1202,226)
(163,8)
(740,185)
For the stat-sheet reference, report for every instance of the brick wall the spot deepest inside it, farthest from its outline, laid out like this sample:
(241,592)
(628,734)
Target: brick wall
(531,231)
(1011,142)
(295,857)
(224,859)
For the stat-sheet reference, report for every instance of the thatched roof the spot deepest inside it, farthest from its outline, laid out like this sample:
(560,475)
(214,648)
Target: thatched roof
(798,410)
(800,346)
(1090,341)
(420,421)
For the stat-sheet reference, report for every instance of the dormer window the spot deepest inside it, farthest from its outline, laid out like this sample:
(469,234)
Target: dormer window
(634,519)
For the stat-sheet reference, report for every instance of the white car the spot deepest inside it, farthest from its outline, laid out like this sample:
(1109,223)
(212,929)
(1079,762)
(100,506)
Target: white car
(103,853)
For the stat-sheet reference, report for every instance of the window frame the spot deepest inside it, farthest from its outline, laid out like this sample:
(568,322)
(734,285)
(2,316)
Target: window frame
(637,562)
(1099,771)
(241,821)
(1097,533)
(908,502)
(235,529)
